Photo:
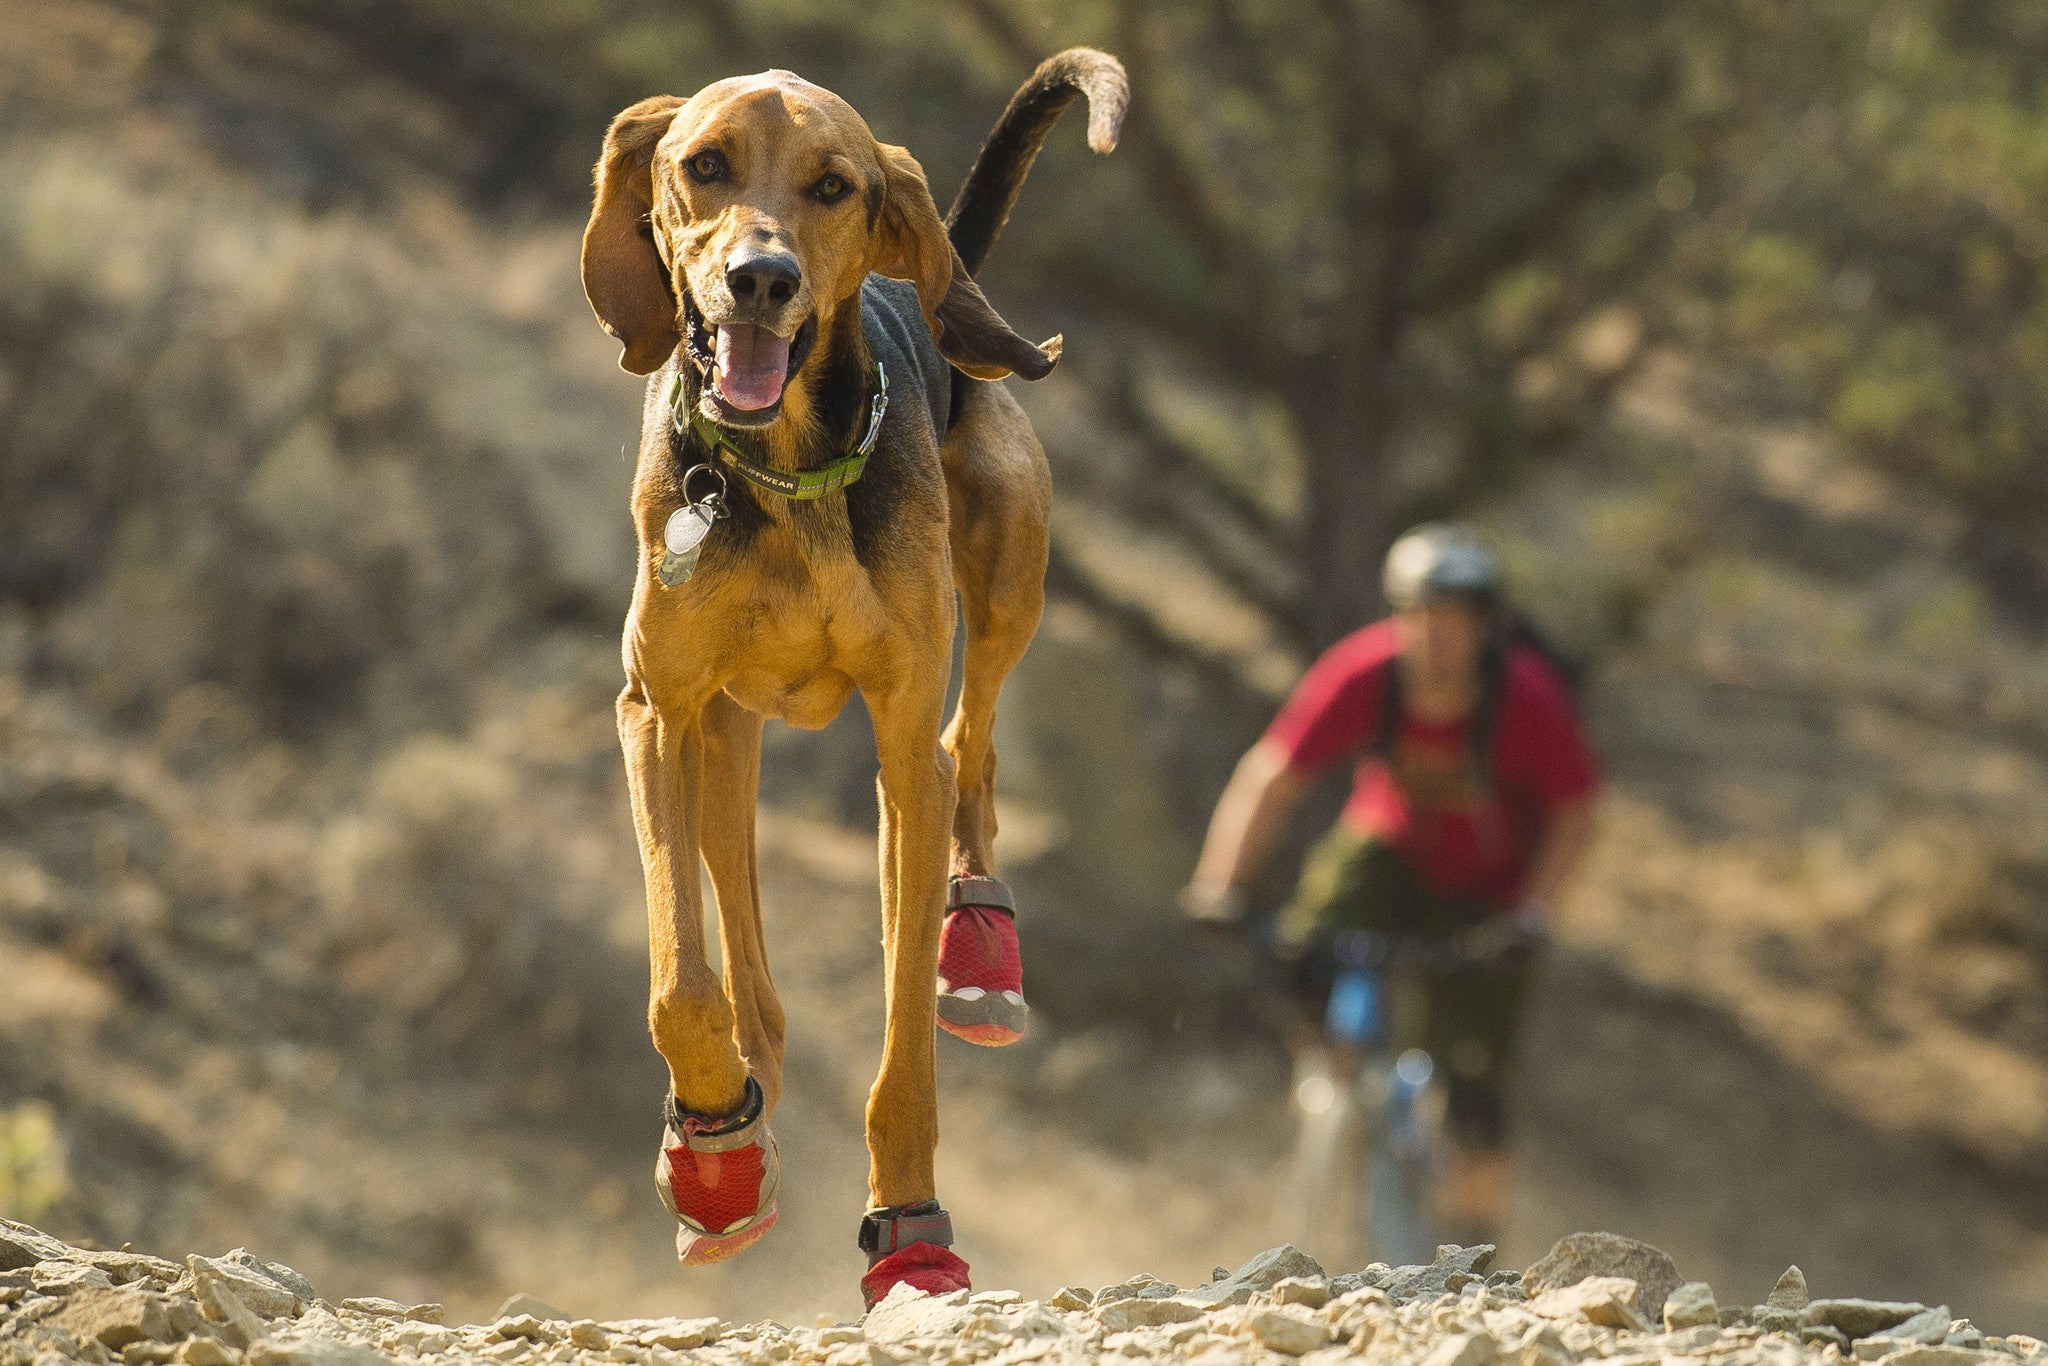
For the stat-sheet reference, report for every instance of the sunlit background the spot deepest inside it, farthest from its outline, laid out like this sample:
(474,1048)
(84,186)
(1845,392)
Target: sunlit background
(320,917)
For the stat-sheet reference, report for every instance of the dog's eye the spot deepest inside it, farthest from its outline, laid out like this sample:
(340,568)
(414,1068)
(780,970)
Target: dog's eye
(830,189)
(706,167)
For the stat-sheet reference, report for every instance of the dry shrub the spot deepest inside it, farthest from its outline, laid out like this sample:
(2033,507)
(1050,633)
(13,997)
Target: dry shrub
(233,450)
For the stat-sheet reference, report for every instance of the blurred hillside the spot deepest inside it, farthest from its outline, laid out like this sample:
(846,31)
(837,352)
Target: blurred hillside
(318,900)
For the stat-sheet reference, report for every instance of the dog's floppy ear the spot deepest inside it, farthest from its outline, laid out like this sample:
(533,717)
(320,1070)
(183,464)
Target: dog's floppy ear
(976,339)
(623,276)
(911,244)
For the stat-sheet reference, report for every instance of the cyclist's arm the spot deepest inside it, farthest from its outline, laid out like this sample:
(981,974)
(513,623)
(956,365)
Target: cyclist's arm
(1254,807)
(1565,840)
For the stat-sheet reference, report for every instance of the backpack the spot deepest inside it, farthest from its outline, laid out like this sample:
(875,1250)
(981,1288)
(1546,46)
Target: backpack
(1514,630)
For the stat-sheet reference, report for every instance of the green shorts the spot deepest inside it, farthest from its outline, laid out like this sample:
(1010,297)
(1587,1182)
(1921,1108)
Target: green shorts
(1468,1017)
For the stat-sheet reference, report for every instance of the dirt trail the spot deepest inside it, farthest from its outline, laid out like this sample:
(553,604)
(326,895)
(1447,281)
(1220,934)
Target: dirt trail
(58,1301)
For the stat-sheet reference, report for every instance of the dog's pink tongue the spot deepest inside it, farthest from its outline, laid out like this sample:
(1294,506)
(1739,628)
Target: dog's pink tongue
(752,365)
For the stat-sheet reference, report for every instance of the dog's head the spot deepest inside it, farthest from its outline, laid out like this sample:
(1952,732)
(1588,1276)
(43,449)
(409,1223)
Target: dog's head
(741,221)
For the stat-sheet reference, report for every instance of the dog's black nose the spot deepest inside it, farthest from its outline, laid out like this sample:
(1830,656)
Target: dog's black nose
(769,277)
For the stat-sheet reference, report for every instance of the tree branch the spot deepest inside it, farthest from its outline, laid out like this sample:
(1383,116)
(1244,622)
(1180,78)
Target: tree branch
(1066,579)
(1189,200)
(1511,243)
(1211,343)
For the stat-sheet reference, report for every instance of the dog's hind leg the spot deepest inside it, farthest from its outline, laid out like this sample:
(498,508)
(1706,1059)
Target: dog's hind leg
(732,781)
(1000,492)
(717,1171)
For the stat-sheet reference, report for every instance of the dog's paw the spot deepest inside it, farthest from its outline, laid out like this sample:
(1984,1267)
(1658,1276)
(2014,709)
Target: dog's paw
(719,1178)
(981,970)
(922,1266)
(704,1249)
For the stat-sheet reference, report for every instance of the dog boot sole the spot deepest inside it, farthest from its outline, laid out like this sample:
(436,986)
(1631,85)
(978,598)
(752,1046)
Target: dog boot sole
(704,1249)
(991,1019)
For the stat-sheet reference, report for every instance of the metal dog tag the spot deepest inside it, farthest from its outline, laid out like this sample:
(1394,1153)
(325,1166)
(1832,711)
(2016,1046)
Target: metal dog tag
(688,525)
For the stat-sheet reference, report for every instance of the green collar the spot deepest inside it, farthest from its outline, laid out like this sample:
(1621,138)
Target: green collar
(830,477)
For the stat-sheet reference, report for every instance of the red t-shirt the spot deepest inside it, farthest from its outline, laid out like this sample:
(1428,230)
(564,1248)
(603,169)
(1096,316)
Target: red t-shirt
(1463,835)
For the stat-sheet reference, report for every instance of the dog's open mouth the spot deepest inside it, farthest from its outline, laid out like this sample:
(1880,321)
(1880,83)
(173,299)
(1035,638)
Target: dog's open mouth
(746,367)
(750,367)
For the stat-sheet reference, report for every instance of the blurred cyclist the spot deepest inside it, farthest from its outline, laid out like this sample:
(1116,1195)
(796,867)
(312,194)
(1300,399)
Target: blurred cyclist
(1470,808)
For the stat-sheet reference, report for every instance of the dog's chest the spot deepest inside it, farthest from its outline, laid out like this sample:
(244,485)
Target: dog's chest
(797,643)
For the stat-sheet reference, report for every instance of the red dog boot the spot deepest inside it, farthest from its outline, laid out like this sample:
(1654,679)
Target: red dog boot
(909,1245)
(718,1177)
(981,976)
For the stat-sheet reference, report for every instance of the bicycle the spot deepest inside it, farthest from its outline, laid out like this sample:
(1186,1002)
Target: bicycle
(1361,1180)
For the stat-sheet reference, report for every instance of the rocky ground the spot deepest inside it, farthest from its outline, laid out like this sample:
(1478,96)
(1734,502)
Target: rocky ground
(1594,1296)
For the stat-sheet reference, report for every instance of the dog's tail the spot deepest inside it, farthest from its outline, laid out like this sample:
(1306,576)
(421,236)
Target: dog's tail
(990,190)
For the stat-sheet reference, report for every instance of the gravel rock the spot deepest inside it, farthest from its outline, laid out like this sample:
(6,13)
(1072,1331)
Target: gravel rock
(205,1352)
(221,1304)
(682,1334)
(1928,1329)
(259,1292)
(906,1313)
(1775,1320)
(1464,1349)
(1262,1272)
(128,1268)
(1312,1291)
(1609,1301)
(1691,1306)
(312,1352)
(1790,1291)
(65,1278)
(587,1334)
(1121,1316)
(1277,1308)
(533,1307)
(1823,1335)
(1578,1255)
(518,1326)
(273,1271)
(1698,1338)
(1861,1318)
(1141,1286)
(1357,1317)
(422,1338)
(116,1317)
(1453,1267)
(1944,1356)
(22,1246)
(1287,1329)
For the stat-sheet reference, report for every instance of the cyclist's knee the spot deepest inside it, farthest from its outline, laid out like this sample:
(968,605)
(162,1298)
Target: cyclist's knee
(1307,976)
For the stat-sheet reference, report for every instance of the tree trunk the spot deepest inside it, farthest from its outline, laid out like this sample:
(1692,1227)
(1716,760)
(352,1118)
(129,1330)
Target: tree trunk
(1345,527)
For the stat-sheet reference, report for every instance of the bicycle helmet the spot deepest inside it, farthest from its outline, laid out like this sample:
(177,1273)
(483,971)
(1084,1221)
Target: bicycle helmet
(1442,559)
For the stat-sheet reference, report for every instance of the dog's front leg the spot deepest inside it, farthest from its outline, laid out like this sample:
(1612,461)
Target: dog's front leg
(906,1234)
(717,1171)
(687,1010)
(732,781)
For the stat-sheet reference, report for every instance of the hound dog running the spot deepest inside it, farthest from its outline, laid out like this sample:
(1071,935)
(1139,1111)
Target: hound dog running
(824,460)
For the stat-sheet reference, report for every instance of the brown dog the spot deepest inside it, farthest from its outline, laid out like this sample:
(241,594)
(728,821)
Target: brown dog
(824,460)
